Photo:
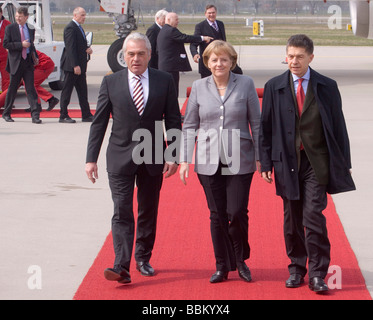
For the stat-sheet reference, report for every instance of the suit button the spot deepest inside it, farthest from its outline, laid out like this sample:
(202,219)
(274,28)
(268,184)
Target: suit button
(221,117)
(221,107)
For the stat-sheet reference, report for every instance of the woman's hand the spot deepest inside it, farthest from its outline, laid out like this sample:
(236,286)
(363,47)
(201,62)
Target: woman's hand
(184,172)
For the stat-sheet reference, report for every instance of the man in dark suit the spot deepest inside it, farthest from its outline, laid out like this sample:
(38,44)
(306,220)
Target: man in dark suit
(171,49)
(211,27)
(139,99)
(304,138)
(152,34)
(214,29)
(19,40)
(74,63)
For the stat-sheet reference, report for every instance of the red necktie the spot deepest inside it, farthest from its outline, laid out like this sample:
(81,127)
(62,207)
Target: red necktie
(300,96)
(300,100)
(138,95)
(24,50)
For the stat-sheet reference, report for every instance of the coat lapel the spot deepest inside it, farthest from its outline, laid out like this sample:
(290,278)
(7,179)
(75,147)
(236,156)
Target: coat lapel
(212,88)
(152,86)
(231,85)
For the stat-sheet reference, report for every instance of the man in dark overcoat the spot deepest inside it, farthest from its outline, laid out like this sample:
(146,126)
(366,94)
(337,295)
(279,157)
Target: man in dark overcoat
(303,137)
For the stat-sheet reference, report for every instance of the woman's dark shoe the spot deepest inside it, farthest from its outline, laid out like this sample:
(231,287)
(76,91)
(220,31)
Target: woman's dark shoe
(244,273)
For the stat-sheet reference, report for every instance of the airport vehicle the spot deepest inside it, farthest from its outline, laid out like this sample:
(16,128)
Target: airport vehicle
(40,18)
(123,16)
(362,18)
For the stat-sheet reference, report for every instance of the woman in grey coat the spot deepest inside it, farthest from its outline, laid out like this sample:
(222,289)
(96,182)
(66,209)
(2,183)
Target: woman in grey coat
(222,121)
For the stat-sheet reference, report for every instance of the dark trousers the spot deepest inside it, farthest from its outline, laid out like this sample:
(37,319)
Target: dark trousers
(176,76)
(80,83)
(227,198)
(26,72)
(305,232)
(123,223)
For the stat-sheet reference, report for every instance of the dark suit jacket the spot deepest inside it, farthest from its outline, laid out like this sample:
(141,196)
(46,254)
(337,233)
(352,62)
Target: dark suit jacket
(278,129)
(12,42)
(74,53)
(152,34)
(115,99)
(171,49)
(204,29)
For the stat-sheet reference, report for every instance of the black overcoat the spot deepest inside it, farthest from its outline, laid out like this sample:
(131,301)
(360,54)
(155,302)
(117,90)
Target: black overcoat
(278,130)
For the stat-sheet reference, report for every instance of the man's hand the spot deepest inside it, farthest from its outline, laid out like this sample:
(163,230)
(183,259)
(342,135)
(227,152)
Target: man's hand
(196,58)
(207,39)
(89,50)
(26,43)
(77,71)
(169,168)
(184,172)
(91,170)
(267,176)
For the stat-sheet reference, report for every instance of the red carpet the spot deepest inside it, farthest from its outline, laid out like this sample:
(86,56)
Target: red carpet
(20,113)
(184,261)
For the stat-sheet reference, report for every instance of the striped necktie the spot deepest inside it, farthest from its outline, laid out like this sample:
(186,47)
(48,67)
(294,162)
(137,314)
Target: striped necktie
(215,26)
(138,95)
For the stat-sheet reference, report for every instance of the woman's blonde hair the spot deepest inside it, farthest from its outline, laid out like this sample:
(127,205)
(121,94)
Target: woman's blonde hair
(219,47)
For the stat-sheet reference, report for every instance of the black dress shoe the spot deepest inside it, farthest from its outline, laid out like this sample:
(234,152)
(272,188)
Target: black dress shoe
(318,285)
(117,274)
(36,120)
(88,119)
(219,276)
(66,120)
(295,281)
(145,268)
(244,273)
(52,103)
(8,118)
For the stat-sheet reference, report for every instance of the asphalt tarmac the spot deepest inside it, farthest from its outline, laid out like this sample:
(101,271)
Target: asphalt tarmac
(53,220)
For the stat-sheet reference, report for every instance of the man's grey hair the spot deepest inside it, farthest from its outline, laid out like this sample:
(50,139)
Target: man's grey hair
(137,37)
(160,14)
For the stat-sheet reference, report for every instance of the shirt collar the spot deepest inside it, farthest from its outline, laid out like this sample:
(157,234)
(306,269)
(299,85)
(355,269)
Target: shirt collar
(211,23)
(77,23)
(144,75)
(305,77)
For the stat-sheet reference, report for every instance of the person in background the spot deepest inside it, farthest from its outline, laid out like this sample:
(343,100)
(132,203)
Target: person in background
(171,48)
(224,108)
(303,137)
(152,34)
(22,56)
(216,30)
(74,62)
(3,53)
